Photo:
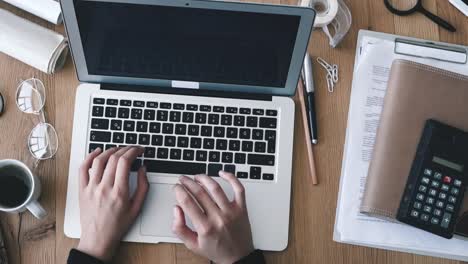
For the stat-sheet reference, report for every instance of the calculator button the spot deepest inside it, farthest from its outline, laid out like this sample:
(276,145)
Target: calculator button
(414,213)
(417,205)
(424,217)
(442,196)
(450,208)
(438,176)
(434,221)
(428,172)
(457,183)
(437,212)
(425,180)
(430,200)
(422,188)
(445,187)
(446,220)
(435,184)
(447,179)
(432,192)
(440,204)
(427,209)
(455,191)
(452,199)
(420,197)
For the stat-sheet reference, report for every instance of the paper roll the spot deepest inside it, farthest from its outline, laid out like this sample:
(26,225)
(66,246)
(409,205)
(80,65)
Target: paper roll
(46,9)
(32,44)
(326,10)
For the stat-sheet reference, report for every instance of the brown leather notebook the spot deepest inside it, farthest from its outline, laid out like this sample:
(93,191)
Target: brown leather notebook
(415,93)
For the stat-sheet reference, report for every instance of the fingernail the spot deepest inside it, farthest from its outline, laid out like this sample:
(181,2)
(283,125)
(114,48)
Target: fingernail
(221,173)
(97,150)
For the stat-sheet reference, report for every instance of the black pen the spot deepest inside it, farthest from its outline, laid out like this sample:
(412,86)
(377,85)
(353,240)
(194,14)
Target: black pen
(310,91)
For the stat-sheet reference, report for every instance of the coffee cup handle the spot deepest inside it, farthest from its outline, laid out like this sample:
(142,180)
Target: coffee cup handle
(37,210)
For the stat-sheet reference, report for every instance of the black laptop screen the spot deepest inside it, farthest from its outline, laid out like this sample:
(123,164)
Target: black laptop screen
(186,44)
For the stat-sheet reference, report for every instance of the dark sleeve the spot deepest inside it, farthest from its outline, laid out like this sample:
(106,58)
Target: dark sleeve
(255,257)
(78,257)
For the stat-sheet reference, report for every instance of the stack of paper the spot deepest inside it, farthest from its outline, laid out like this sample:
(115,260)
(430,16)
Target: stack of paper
(375,54)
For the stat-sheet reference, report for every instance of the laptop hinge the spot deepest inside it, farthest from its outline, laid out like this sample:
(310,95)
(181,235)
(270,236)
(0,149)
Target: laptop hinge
(179,91)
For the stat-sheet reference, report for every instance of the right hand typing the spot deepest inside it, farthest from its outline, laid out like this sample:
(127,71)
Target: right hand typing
(222,228)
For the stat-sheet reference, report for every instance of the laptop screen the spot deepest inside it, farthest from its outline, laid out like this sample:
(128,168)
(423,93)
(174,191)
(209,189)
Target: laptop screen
(186,44)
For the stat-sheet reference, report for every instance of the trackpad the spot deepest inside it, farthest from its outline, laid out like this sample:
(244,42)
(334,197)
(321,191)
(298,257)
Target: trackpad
(157,213)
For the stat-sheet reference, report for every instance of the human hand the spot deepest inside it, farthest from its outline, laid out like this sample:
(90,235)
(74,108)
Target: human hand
(222,228)
(106,209)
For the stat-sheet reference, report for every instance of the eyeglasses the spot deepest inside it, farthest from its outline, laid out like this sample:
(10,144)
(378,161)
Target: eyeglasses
(30,99)
(408,7)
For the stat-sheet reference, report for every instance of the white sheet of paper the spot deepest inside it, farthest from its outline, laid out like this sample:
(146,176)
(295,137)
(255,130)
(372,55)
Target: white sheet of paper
(369,87)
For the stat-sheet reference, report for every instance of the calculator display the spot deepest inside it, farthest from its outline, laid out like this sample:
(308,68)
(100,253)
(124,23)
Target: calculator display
(448,164)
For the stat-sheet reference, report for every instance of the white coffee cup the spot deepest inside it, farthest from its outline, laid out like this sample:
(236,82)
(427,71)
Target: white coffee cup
(19,196)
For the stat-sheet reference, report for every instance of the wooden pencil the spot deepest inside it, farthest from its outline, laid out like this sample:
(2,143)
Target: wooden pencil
(310,153)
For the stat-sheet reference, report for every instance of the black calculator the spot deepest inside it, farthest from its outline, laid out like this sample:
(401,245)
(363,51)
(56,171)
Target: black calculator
(436,184)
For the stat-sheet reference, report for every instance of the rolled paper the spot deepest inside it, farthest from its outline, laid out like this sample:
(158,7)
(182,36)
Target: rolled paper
(46,9)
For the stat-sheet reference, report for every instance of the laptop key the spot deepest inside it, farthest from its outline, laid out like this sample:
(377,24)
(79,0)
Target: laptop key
(98,101)
(245,111)
(242,175)
(116,125)
(94,146)
(98,111)
(234,145)
(239,121)
(270,135)
(268,176)
(193,130)
(138,103)
(182,142)
(208,143)
(239,158)
(169,141)
(124,113)
(118,137)
(136,113)
(192,107)
(162,115)
(155,127)
(99,123)
(231,110)
(111,112)
(214,156)
(144,139)
(187,117)
(266,122)
(206,131)
(168,128)
(205,108)
(175,116)
(271,113)
(136,165)
(176,154)
(255,172)
(189,154)
(125,102)
(100,136)
(257,134)
(109,146)
(150,114)
(257,159)
(213,119)
(112,102)
(152,104)
(247,146)
(195,143)
(213,169)
(201,155)
(180,129)
(129,126)
(260,147)
(271,146)
(165,105)
(231,132)
(175,167)
(142,126)
(161,154)
(230,168)
(157,140)
(244,133)
(221,144)
(131,138)
(226,120)
(218,109)
(258,112)
(219,132)
(150,152)
(252,121)
(200,118)
(178,106)
(227,157)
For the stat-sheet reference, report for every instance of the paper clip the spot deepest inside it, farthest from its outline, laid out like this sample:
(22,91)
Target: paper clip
(332,73)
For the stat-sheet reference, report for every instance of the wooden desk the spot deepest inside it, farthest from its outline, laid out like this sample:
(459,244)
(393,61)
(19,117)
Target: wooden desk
(313,207)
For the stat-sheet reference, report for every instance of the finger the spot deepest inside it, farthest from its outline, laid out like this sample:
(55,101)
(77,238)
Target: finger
(180,228)
(124,166)
(99,165)
(140,193)
(215,190)
(239,190)
(189,206)
(111,168)
(86,166)
(200,194)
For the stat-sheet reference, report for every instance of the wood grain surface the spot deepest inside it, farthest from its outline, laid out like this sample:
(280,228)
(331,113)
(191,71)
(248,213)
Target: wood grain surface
(313,207)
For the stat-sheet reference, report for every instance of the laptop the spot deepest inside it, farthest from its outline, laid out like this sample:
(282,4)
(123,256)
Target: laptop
(203,86)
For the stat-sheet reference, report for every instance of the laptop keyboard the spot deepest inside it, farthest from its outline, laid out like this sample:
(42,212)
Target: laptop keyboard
(189,139)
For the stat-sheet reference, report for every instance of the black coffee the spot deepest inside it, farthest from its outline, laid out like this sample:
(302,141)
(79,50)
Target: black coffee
(13,190)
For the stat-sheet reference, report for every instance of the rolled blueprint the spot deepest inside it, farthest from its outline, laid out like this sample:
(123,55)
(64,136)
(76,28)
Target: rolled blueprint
(32,44)
(46,9)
